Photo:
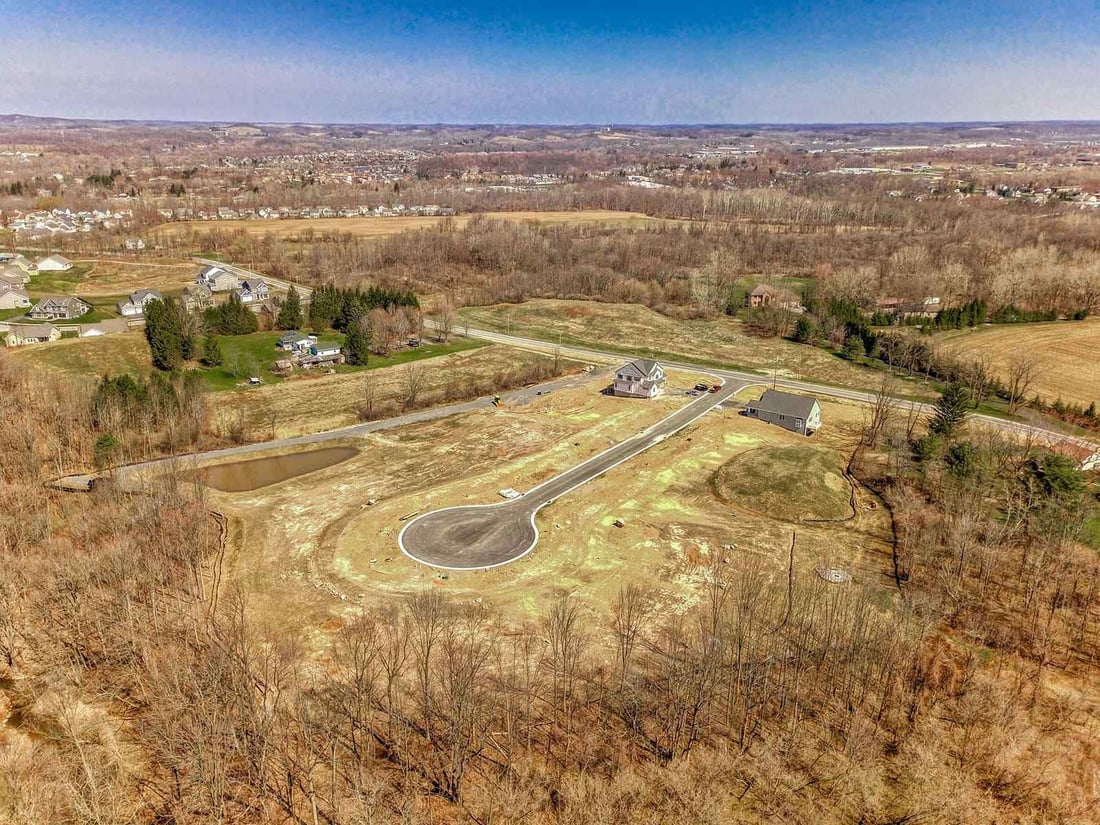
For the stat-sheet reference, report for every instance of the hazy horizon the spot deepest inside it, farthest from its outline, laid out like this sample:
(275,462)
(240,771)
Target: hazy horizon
(569,63)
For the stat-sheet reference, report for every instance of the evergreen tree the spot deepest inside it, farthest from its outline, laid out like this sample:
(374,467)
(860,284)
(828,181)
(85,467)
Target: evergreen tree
(951,411)
(290,315)
(357,342)
(164,332)
(211,351)
(804,330)
(853,347)
(231,318)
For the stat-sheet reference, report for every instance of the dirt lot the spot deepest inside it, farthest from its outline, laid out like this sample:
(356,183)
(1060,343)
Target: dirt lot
(313,549)
(1066,352)
(383,227)
(641,330)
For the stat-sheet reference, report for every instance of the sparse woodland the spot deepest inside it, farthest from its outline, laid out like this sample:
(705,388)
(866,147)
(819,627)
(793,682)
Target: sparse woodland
(961,685)
(137,690)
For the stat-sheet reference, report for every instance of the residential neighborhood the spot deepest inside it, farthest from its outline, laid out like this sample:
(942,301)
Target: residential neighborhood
(217,279)
(54,263)
(306,351)
(252,290)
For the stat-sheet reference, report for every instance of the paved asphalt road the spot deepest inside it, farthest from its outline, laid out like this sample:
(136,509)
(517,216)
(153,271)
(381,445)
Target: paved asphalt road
(130,474)
(1041,434)
(487,535)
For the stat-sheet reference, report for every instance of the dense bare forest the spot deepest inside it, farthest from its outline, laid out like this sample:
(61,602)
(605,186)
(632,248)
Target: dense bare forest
(856,248)
(957,687)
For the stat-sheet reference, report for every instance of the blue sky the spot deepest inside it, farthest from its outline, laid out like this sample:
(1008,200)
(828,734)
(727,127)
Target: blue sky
(567,62)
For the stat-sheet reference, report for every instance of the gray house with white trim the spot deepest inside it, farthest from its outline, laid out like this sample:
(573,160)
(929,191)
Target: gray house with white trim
(797,413)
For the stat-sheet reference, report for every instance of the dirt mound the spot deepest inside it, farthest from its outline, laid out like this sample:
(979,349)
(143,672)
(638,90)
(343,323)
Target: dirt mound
(789,483)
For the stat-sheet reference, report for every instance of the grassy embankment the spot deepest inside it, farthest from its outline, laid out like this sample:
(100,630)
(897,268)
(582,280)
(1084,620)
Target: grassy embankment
(721,342)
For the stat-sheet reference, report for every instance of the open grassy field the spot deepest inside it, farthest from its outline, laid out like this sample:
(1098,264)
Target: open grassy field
(634,329)
(383,227)
(1066,352)
(313,550)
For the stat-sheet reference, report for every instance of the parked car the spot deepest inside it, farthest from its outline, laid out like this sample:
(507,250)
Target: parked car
(702,387)
(715,388)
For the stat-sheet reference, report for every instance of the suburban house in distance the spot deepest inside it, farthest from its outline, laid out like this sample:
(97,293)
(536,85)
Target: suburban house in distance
(60,308)
(252,291)
(294,341)
(639,379)
(1084,458)
(13,259)
(55,263)
(12,297)
(135,304)
(197,297)
(13,275)
(797,413)
(305,351)
(763,295)
(217,279)
(19,335)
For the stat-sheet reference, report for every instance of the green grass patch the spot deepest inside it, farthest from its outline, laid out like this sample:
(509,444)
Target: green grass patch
(5,314)
(240,352)
(797,483)
(58,283)
(1091,532)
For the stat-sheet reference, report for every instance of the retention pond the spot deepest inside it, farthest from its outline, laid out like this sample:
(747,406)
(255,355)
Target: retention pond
(241,476)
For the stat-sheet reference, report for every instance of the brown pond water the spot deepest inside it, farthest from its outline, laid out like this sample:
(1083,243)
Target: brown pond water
(240,476)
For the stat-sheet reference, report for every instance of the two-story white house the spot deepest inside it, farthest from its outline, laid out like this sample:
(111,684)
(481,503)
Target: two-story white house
(134,306)
(639,379)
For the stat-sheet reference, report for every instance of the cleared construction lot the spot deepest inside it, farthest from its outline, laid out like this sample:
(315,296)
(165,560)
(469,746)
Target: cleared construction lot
(323,545)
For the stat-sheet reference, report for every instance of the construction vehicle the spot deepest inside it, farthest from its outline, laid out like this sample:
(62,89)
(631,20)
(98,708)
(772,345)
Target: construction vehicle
(498,401)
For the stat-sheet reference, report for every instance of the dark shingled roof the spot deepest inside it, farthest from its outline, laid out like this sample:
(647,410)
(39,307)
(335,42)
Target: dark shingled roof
(785,403)
(646,366)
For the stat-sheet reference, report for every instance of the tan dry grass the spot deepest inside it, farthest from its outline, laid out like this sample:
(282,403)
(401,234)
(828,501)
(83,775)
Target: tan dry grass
(88,358)
(1067,352)
(639,329)
(312,551)
(384,227)
(114,277)
(308,403)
